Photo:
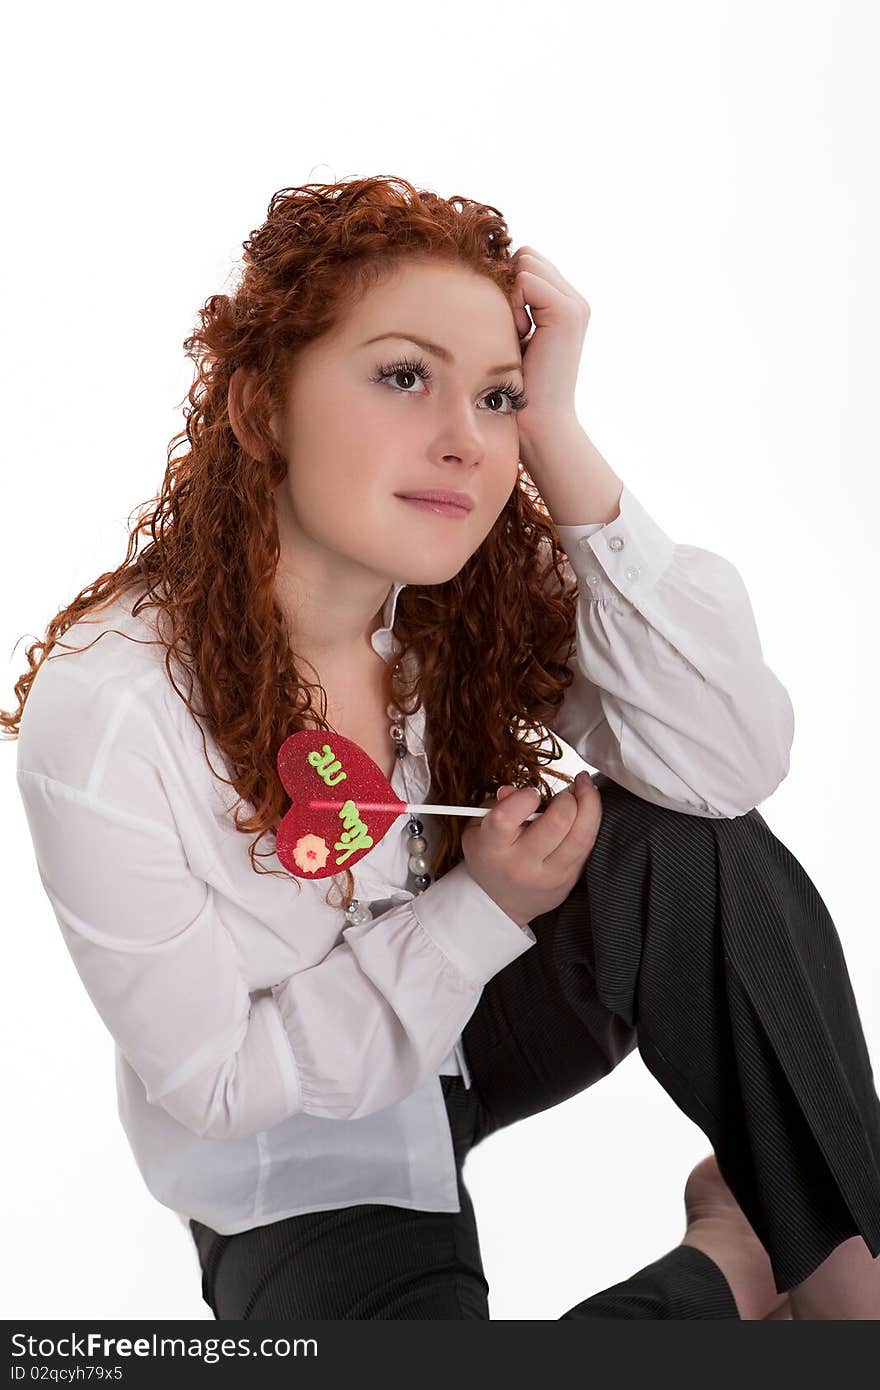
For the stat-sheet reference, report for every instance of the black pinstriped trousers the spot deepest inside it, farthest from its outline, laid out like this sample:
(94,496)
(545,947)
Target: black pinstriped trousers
(703,943)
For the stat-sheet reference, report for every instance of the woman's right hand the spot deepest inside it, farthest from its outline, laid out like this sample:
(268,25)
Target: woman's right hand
(527,870)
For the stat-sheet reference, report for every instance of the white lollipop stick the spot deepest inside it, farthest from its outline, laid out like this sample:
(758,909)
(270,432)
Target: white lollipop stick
(412,808)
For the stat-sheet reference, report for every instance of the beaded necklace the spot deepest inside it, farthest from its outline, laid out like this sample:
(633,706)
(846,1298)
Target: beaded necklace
(416,843)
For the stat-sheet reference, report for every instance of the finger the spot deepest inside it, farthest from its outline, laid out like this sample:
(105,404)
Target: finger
(541,296)
(581,833)
(502,826)
(530,260)
(543,836)
(521,315)
(507,788)
(541,265)
(491,799)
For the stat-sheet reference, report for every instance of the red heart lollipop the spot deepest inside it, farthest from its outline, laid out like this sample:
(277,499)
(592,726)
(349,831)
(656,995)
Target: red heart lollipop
(322,833)
(317,843)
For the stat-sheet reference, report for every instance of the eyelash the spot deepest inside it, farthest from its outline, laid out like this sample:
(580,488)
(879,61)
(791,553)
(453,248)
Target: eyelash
(420,367)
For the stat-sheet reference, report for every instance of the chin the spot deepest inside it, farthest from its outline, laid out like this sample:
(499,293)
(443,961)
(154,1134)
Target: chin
(436,571)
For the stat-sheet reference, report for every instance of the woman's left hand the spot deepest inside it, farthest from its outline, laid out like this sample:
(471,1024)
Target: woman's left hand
(551,356)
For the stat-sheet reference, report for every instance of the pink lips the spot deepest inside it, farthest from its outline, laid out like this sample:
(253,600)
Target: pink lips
(440,508)
(450,496)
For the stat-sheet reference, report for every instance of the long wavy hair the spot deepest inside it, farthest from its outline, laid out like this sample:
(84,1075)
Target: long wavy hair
(491,645)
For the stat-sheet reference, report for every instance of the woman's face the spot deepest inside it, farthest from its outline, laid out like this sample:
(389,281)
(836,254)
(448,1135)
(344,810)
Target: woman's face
(353,442)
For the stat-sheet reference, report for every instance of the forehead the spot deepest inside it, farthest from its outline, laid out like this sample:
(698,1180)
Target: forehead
(428,284)
(449,307)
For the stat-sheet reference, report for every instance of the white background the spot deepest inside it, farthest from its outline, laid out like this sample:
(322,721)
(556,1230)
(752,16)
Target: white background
(705,174)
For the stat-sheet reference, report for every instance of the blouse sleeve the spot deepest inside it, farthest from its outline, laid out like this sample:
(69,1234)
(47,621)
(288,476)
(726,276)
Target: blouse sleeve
(354,1033)
(671,695)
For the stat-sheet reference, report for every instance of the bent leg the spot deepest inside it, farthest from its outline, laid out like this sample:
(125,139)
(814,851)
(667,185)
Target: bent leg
(704,942)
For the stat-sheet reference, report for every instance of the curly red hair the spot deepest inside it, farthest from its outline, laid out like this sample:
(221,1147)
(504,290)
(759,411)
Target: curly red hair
(491,645)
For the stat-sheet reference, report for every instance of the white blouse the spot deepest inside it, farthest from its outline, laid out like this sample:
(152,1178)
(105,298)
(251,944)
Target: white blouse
(270,1060)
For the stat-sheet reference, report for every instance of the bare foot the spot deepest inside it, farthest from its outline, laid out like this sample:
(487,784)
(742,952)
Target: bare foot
(717,1225)
(845,1286)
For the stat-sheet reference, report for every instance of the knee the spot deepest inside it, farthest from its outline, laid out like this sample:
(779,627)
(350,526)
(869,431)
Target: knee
(633,819)
(641,814)
(681,855)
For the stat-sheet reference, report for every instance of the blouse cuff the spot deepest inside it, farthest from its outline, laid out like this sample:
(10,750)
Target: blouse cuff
(627,554)
(469,927)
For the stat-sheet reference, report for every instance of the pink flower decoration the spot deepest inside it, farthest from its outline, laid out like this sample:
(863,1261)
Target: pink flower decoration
(310,853)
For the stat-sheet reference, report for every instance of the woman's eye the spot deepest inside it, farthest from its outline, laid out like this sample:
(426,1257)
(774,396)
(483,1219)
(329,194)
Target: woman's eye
(421,369)
(398,372)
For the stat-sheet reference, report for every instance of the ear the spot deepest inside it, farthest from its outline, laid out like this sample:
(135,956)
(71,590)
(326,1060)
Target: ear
(238,399)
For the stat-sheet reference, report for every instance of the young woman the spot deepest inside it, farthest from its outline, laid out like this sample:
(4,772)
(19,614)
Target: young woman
(301,1076)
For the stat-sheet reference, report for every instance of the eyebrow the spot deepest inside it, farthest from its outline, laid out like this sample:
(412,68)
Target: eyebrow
(443,353)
